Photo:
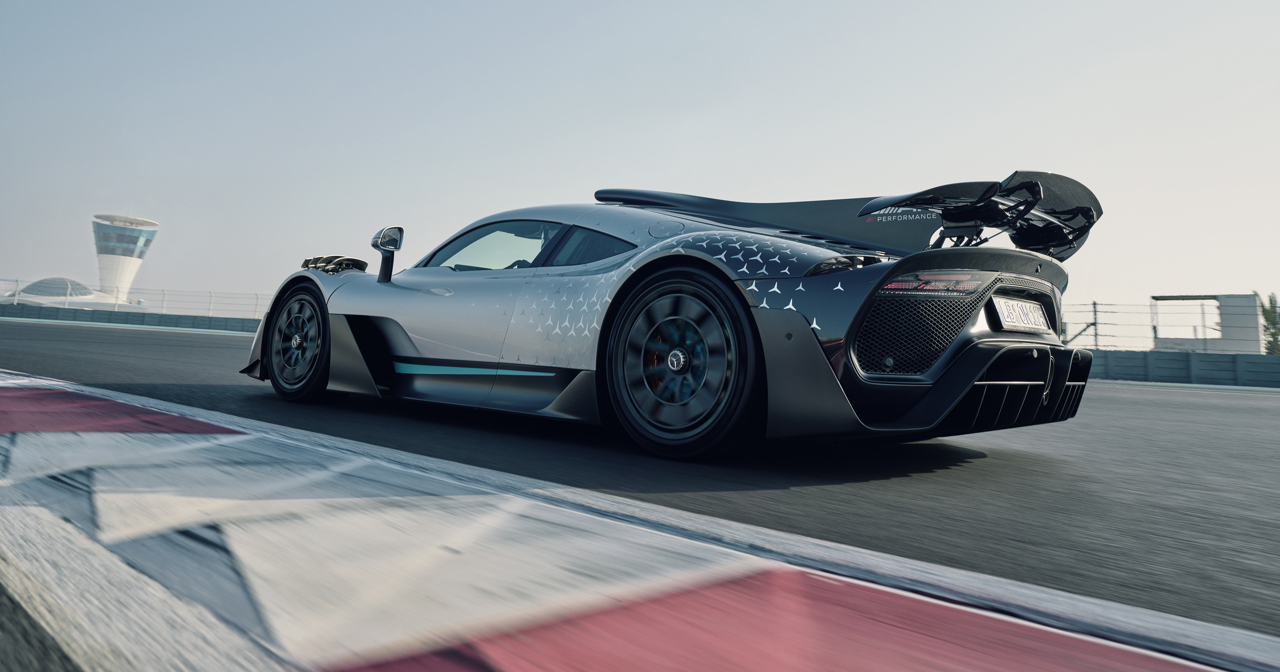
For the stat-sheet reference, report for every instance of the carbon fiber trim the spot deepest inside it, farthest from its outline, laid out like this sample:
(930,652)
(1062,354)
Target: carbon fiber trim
(906,335)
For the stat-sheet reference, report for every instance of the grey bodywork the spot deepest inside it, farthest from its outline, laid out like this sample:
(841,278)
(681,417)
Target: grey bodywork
(533,336)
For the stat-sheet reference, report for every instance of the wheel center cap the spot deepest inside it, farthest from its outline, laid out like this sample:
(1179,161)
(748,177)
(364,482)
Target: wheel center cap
(678,360)
(296,343)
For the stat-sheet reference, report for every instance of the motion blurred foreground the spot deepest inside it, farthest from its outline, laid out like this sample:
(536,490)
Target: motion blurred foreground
(139,539)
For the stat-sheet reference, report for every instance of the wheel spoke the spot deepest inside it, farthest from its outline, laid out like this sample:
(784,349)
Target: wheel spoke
(637,341)
(669,390)
(656,345)
(638,386)
(671,415)
(647,403)
(702,402)
(689,384)
(695,312)
(655,313)
(652,370)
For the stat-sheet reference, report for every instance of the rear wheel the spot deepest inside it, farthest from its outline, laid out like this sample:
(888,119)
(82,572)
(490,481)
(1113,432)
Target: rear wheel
(681,363)
(297,348)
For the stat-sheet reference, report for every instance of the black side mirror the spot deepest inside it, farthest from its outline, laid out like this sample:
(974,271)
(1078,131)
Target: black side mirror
(387,241)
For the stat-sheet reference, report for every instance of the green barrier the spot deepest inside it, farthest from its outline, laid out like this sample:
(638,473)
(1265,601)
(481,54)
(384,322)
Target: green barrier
(1194,368)
(29,312)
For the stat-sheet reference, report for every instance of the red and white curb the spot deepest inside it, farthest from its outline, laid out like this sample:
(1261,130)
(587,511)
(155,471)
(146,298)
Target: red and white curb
(146,535)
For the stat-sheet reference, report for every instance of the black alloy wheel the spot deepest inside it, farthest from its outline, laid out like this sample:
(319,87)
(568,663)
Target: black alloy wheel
(681,363)
(297,346)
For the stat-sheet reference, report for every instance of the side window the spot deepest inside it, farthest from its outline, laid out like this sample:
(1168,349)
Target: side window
(514,244)
(583,246)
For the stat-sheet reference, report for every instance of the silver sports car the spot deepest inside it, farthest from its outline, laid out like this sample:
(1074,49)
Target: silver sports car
(687,319)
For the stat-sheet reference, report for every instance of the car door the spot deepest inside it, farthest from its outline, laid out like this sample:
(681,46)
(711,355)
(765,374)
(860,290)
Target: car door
(556,321)
(455,308)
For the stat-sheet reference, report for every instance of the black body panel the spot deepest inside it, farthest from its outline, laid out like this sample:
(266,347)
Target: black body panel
(897,233)
(1042,212)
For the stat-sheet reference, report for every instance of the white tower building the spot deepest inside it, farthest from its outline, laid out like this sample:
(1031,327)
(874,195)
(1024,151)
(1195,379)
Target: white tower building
(122,244)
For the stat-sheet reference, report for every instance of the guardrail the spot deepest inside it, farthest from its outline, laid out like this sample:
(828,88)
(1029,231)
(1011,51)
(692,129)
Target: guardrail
(129,318)
(162,301)
(1196,368)
(217,311)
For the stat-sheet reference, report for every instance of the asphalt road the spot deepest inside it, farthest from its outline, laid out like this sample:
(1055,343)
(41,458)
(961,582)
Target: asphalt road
(1168,500)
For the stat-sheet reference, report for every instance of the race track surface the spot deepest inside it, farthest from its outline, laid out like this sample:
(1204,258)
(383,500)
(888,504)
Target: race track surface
(1166,500)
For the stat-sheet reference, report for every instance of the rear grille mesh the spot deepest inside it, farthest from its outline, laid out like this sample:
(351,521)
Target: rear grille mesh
(905,336)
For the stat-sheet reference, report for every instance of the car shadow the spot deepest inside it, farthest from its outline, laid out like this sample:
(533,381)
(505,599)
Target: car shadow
(567,453)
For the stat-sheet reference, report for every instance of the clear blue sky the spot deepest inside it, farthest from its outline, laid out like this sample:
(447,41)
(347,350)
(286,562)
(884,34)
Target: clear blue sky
(260,133)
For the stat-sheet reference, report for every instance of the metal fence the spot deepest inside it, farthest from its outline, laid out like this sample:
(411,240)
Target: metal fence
(159,301)
(1132,326)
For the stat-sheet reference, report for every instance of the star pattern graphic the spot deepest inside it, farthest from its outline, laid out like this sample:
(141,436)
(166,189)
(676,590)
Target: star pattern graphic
(758,255)
(557,318)
(563,314)
(811,304)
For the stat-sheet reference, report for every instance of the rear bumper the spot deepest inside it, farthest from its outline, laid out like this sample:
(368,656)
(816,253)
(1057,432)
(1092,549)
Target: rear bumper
(996,401)
(990,384)
(998,385)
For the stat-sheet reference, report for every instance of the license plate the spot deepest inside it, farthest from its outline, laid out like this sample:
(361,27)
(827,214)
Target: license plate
(1015,315)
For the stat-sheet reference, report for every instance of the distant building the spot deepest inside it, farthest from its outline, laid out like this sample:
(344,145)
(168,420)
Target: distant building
(59,292)
(122,244)
(1239,330)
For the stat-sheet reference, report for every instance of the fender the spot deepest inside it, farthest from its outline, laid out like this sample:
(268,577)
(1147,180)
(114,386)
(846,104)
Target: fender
(326,282)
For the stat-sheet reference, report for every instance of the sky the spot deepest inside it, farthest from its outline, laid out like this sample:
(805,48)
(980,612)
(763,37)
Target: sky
(257,134)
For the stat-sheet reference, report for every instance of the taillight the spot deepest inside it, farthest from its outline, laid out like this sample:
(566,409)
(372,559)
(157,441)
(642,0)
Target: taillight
(938,283)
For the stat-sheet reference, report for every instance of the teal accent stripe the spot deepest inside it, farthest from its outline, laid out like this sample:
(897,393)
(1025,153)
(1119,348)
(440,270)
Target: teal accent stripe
(463,371)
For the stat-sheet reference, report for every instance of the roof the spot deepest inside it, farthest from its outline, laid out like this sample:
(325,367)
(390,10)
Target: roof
(56,287)
(121,220)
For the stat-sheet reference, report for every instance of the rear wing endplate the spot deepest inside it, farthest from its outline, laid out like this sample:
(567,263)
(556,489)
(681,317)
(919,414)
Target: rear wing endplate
(1041,212)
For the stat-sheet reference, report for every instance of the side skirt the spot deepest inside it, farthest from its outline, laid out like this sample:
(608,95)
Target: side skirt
(568,394)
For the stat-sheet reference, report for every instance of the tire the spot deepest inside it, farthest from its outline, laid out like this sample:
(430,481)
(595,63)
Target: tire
(297,346)
(681,364)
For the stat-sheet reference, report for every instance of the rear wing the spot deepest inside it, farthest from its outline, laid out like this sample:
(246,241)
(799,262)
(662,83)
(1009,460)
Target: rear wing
(1041,212)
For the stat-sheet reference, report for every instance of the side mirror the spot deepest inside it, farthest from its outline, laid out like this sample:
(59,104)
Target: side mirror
(387,241)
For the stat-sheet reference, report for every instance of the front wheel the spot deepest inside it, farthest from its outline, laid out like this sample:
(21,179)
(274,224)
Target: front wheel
(681,363)
(297,347)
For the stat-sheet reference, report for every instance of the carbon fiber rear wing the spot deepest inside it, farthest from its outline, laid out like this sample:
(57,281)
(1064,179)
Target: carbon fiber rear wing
(1041,212)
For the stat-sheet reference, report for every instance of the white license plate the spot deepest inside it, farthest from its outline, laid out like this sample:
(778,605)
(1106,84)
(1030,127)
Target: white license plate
(1018,315)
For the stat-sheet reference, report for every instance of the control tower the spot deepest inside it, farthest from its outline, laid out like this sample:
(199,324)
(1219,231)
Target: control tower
(122,244)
